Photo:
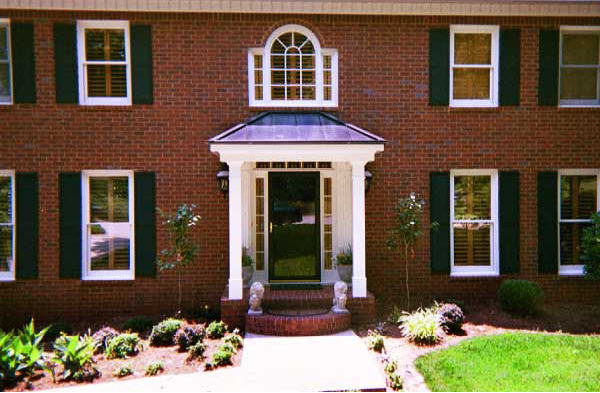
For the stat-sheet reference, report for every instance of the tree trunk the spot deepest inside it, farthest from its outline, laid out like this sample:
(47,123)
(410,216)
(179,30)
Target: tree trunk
(406,278)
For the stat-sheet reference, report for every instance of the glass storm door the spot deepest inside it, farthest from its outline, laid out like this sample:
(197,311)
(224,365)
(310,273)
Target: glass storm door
(294,239)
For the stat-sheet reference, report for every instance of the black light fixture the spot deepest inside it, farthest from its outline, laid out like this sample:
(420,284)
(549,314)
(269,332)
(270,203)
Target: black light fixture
(223,178)
(368,179)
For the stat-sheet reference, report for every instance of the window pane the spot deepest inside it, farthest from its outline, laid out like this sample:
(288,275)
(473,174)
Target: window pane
(4,82)
(286,39)
(308,78)
(578,83)
(109,201)
(471,83)
(472,48)
(5,199)
(578,196)
(580,49)
(258,61)
(109,246)
(327,93)
(472,198)
(106,80)
(6,243)
(277,93)
(327,62)
(292,61)
(308,93)
(3,43)
(293,93)
(258,77)
(571,235)
(278,61)
(278,77)
(472,244)
(103,45)
(308,62)
(293,77)
(258,92)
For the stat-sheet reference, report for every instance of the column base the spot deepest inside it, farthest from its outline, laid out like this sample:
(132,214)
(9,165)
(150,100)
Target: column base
(359,287)
(236,289)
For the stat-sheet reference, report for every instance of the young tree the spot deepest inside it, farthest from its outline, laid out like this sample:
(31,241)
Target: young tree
(590,246)
(182,251)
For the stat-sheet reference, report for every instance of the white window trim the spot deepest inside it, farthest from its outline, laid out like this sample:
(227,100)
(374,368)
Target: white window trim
(82,25)
(87,273)
(578,103)
(10,275)
(6,23)
(494,268)
(494,30)
(319,53)
(574,270)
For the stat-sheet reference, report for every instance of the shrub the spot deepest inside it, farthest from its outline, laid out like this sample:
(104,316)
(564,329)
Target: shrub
(395,382)
(9,359)
(154,368)
(422,326)
(520,297)
(395,315)
(222,356)
(125,344)
(216,329)
(138,325)
(102,338)
(56,330)
(123,371)
(390,367)
(234,339)
(189,335)
(590,247)
(375,341)
(196,350)
(75,354)
(451,317)
(162,334)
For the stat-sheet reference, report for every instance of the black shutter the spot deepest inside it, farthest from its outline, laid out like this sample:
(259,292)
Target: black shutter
(439,211)
(70,224)
(547,209)
(65,63)
(439,67)
(548,68)
(510,61)
(27,225)
(141,64)
(23,57)
(509,222)
(145,224)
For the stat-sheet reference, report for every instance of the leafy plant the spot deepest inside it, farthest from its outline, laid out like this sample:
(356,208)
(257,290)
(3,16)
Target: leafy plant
(234,339)
(138,324)
(395,315)
(422,326)
(390,367)
(246,258)
(189,335)
(590,247)
(57,329)
(125,344)
(182,250)
(216,329)
(395,382)
(375,341)
(222,355)
(10,364)
(520,297)
(102,338)
(75,355)
(123,371)
(154,369)
(407,231)
(196,350)
(451,317)
(344,257)
(163,332)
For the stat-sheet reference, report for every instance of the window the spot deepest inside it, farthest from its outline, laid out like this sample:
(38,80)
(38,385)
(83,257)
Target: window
(578,200)
(474,66)
(292,70)
(108,225)
(579,66)
(5,67)
(327,223)
(260,223)
(474,218)
(104,62)
(7,225)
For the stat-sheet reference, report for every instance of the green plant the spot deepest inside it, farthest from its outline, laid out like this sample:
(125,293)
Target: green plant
(182,250)
(451,317)
(590,247)
(407,231)
(163,332)
(395,315)
(154,369)
(216,329)
(390,367)
(189,335)
(234,339)
(395,382)
(422,326)
(102,337)
(138,325)
(520,297)
(246,258)
(123,371)
(9,359)
(196,350)
(344,257)
(56,330)
(375,341)
(222,355)
(75,355)
(125,344)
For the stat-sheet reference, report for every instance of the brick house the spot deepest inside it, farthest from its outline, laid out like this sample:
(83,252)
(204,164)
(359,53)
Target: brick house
(109,110)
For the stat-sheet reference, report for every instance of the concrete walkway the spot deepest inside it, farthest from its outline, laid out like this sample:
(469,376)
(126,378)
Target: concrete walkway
(320,363)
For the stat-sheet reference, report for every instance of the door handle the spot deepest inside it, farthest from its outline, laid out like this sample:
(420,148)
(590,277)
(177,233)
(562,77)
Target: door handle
(270,227)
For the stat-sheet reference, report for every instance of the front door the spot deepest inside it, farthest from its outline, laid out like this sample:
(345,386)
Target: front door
(294,226)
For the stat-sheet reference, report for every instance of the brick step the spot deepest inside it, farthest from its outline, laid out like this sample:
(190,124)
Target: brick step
(298,299)
(298,322)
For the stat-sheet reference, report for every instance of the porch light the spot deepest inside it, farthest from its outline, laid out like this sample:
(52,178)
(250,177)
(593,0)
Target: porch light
(223,178)
(368,179)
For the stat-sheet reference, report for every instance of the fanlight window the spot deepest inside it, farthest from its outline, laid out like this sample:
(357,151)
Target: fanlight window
(292,70)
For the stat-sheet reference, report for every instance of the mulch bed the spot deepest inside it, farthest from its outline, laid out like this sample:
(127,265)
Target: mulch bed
(482,319)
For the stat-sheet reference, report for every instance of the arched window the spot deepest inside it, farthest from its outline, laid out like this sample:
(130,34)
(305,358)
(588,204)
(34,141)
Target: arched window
(292,70)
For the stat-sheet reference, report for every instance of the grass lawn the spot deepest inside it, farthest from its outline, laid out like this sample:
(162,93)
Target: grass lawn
(515,362)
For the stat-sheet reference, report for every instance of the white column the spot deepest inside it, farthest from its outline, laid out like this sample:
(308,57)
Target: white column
(359,279)
(235,230)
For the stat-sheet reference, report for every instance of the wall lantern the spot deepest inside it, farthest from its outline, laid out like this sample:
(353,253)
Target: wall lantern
(223,178)
(368,179)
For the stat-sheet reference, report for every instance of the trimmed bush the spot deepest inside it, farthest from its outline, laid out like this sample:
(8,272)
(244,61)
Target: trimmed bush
(422,326)
(163,333)
(125,344)
(520,297)
(216,329)
(375,341)
(196,350)
(451,317)
(222,356)
(123,371)
(189,335)
(234,339)
(138,325)
(154,369)
(102,337)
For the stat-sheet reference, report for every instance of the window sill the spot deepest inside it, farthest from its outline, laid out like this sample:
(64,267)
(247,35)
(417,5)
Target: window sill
(108,278)
(474,275)
(7,279)
(579,106)
(293,104)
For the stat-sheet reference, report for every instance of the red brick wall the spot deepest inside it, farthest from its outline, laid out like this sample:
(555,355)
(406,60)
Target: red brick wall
(200,89)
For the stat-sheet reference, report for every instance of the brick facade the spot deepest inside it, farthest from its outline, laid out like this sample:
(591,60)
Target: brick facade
(200,89)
